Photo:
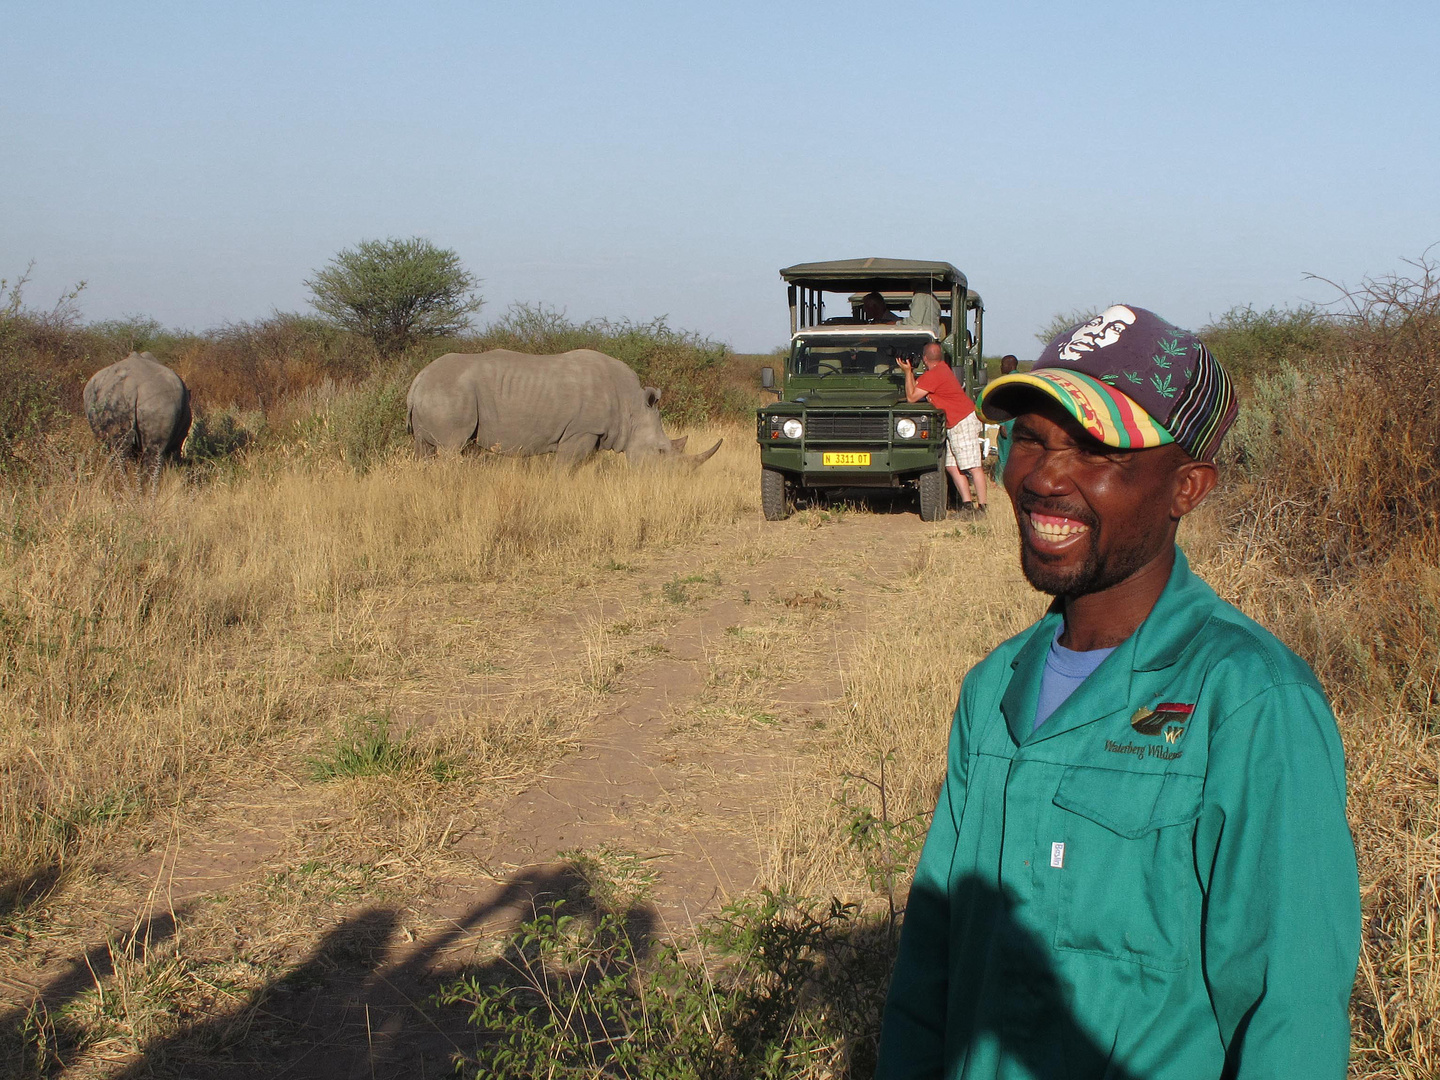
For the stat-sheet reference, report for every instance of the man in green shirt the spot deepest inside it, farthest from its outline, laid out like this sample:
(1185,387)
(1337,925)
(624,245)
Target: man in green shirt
(1139,867)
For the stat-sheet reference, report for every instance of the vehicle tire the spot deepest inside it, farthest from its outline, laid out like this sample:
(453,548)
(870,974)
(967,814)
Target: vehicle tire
(933,491)
(773,495)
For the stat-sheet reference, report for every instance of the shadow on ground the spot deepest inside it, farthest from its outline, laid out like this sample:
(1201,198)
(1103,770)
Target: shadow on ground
(800,983)
(361,1004)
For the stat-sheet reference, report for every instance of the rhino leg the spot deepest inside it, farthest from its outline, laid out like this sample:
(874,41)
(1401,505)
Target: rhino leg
(574,449)
(424,448)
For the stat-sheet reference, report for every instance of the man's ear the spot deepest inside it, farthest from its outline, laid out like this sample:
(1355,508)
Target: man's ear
(1194,481)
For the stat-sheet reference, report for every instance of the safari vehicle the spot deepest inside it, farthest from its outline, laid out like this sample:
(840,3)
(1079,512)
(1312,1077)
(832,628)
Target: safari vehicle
(842,420)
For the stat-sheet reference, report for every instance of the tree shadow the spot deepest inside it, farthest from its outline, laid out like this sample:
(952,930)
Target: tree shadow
(362,1003)
(30,1042)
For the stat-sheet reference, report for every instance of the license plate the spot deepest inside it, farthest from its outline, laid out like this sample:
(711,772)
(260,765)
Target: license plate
(846,459)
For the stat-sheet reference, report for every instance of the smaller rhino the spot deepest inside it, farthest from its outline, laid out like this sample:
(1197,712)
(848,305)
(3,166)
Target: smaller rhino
(140,409)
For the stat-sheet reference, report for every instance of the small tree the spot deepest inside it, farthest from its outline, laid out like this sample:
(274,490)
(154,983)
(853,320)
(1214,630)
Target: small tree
(396,292)
(1063,321)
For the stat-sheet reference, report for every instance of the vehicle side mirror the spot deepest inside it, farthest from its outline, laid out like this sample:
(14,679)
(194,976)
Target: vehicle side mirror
(767,378)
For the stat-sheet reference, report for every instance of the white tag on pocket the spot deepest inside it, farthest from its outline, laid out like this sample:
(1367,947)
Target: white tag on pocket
(1057,856)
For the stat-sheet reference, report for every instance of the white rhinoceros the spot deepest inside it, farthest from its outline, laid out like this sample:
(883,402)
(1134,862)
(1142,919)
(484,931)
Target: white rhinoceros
(140,409)
(571,405)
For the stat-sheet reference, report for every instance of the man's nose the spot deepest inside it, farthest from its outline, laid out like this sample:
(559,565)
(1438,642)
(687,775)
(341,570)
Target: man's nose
(1049,474)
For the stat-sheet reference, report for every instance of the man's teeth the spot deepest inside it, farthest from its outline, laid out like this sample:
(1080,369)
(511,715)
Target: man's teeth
(1055,528)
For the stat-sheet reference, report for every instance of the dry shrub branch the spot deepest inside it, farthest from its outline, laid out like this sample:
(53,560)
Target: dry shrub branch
(1330,537)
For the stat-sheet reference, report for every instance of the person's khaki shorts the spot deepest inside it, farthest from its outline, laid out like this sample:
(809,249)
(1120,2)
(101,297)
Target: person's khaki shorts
(963,443)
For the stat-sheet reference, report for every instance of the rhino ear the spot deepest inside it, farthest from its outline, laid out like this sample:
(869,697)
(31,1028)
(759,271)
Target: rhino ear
(652,397)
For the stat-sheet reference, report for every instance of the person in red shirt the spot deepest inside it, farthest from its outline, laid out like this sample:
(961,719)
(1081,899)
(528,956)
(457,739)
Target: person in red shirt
(962,435)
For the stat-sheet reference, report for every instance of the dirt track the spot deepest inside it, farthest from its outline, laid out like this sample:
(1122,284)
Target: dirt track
(704,718)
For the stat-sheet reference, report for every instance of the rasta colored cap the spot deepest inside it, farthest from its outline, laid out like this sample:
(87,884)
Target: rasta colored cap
(1132,381)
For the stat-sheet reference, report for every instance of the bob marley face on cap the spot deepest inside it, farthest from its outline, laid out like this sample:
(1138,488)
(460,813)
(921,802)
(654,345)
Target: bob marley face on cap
(1105,329)
(1131,379)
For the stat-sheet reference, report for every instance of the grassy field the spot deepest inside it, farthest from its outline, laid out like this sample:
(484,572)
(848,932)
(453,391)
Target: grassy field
(307,635)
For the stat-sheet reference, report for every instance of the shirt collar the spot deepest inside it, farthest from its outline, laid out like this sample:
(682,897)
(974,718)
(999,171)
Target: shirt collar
(1183,608)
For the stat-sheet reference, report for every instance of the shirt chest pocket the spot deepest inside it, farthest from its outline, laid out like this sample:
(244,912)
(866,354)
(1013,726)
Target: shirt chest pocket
(1126,876)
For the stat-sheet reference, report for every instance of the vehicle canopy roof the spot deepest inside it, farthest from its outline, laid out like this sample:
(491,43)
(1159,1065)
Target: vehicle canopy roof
(847,275)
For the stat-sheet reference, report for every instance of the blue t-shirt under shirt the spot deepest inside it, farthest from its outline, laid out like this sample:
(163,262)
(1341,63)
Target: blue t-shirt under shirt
(1065,670)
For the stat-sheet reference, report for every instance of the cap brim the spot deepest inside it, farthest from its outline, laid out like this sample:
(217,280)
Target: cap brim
(1103,411)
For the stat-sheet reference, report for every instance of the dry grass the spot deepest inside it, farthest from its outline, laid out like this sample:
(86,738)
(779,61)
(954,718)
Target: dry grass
(232,633)
(961,594)
(151,645)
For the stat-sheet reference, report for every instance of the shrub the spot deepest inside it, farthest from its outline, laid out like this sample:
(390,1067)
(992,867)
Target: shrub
(1331,538)
(775,987)
(360,425)
(1341,438)
(1250,343)
(396,292)
(39,364)
(256,365)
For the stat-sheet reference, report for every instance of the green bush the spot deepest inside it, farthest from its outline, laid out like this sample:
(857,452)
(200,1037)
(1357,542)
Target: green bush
(775,988)
(1250,343)
(369,421)
(216,443)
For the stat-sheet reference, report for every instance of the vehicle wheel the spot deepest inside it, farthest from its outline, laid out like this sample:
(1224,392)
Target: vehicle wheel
(932,495)
(772,495)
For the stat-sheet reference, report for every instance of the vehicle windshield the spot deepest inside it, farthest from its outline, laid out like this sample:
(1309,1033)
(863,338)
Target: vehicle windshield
(868,355)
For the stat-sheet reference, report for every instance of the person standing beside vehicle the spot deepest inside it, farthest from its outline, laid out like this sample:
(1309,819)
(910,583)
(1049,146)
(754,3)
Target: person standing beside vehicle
(1009,363)
(1139,866)
(939,385)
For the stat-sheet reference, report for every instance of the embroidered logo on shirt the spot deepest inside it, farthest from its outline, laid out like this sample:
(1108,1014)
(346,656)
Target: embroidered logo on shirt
(1153,721)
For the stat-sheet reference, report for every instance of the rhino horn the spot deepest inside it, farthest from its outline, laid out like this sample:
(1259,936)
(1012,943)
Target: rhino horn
(678,445)
(695,460)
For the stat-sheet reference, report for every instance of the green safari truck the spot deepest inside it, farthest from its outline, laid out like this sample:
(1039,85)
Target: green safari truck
(841,419)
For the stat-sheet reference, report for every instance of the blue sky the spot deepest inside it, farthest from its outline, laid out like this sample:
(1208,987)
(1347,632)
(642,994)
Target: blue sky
(196,161)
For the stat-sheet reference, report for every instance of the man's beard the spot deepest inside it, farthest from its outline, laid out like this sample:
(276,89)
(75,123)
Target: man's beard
(1094,574)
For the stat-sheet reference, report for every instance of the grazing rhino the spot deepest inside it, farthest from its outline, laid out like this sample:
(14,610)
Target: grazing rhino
(140,409)
(570,405)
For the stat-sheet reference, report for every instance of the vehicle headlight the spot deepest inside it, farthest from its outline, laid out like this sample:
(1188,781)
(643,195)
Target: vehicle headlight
(793,429)
(905,428)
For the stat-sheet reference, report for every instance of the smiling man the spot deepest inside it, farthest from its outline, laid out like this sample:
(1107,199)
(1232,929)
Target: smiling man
(1139,865)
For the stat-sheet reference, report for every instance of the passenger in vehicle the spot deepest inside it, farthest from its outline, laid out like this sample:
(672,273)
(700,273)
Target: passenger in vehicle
(924,311)
(873,306)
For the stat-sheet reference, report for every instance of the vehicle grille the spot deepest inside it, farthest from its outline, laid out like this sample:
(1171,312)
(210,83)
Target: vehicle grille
(871,426)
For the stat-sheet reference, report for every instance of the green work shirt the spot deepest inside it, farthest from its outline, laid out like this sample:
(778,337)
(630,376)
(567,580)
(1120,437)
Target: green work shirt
(1093,901)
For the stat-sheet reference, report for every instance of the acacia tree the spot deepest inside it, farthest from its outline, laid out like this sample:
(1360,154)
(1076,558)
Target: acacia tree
(396,292)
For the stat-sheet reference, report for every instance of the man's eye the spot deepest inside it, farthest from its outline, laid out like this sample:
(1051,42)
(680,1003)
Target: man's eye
(1097,454)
